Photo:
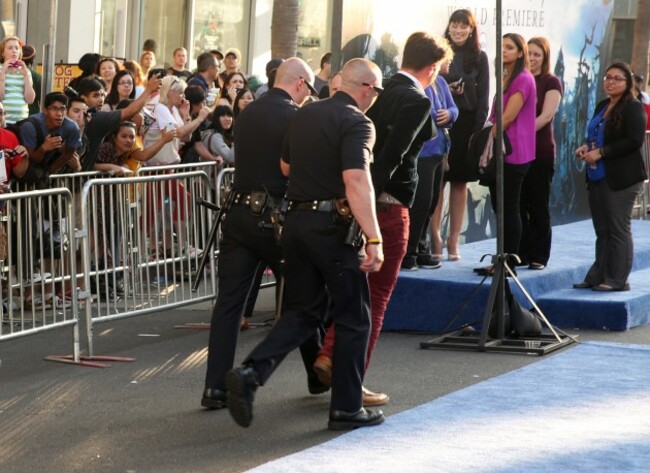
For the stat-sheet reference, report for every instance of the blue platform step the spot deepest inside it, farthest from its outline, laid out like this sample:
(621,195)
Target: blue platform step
(428,300)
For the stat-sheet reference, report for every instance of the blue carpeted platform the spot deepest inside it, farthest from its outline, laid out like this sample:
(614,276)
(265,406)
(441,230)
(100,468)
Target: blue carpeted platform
(584,410)
(426,300)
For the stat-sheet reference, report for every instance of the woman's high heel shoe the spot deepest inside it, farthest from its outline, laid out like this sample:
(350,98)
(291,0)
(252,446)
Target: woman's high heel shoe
(453,254)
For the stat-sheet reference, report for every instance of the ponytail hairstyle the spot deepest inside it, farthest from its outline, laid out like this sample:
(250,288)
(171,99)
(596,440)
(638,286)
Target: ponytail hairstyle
(522,63)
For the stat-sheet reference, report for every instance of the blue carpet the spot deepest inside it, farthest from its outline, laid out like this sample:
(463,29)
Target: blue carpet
(426,300)
(585,409)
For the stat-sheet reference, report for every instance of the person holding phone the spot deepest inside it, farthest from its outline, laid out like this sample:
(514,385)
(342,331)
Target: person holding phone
(16,88)
(234,83)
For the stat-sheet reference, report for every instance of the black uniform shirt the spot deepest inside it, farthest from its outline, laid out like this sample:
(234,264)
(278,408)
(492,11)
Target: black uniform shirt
(326,138)
(259,133)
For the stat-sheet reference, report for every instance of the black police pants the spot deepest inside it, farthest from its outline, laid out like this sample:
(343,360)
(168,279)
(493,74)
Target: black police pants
(318,265)
(243,248)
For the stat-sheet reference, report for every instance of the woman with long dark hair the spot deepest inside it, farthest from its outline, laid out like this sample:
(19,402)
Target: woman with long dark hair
(219,138)
(469,82)
(235,81)
(535,245)
(519,97)
(124,89)
(615,173)
(242,99)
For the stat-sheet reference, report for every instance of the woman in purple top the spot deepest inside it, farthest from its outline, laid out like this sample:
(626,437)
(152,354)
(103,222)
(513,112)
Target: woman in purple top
(535,245)
(519,98)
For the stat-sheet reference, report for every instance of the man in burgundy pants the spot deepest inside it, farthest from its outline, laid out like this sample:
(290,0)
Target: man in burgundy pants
(403,124)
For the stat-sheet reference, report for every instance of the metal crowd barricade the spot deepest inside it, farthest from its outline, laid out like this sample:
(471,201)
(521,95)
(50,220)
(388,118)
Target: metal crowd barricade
(211,169)
(225,179)
(141,239)
(36,262)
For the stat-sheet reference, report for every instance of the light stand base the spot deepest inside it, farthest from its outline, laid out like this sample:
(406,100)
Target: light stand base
(464,341)
(471,340)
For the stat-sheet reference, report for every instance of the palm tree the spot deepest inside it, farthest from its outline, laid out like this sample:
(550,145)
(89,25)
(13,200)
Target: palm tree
(284,28)
(641,38)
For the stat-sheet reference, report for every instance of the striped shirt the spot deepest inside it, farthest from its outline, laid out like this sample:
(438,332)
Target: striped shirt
(14,100)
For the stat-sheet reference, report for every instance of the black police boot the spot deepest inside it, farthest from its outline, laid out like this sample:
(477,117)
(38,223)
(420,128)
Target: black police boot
(241,384)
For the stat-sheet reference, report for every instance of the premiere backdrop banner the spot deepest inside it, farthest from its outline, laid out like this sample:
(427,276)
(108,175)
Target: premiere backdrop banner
(579,32)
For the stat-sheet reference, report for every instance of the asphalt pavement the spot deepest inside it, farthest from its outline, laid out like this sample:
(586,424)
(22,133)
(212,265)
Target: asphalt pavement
(145,416)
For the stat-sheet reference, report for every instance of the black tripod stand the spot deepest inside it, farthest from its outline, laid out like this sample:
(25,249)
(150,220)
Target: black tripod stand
(212,237)
(493,336)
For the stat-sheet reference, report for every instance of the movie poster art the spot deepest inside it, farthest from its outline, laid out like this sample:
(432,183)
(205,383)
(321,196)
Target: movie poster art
(579,32)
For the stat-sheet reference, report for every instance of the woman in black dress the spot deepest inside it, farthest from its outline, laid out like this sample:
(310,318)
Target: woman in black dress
(469,81)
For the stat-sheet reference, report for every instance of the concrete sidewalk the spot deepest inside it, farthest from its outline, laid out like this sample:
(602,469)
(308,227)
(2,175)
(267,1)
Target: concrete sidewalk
(145,416)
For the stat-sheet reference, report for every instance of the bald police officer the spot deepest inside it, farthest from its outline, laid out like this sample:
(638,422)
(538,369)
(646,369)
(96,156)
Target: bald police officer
(328,151)
(248,240)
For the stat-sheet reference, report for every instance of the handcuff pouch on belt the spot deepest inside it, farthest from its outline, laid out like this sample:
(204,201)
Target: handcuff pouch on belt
(342,211)
(259,201)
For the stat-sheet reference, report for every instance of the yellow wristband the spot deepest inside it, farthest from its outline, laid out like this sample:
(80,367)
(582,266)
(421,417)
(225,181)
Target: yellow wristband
(373,241)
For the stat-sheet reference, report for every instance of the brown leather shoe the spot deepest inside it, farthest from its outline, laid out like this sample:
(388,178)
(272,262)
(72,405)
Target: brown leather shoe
(372,399)
(323,369)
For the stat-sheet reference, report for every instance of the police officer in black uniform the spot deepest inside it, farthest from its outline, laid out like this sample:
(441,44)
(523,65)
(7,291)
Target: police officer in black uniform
(248,239)
(328,151)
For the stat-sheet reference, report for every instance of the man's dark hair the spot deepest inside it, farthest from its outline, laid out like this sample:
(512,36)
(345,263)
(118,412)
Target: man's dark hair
(194,94)
(205,61)
(149,45)
(162,72)
(55,97)
(420,51)
(72,100)
(89,85)
(326,59)
(88,63)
